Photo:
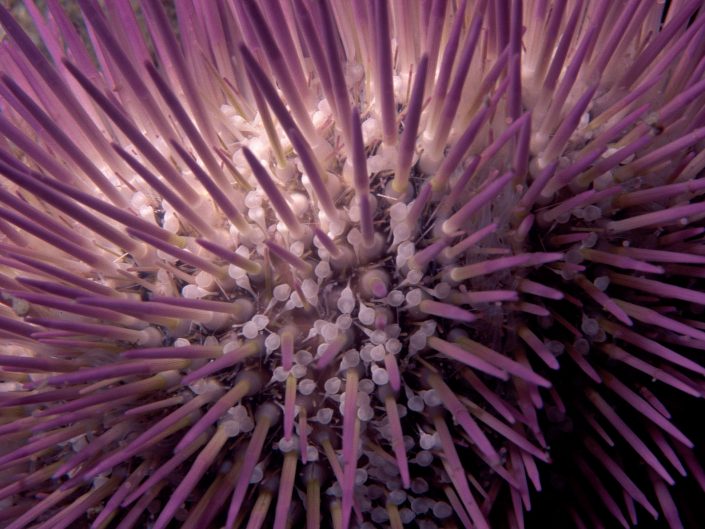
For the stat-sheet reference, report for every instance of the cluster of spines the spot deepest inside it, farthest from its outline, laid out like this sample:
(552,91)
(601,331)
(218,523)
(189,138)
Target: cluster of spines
(146,181)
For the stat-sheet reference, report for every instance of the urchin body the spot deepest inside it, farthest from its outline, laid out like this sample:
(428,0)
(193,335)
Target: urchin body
(363,264)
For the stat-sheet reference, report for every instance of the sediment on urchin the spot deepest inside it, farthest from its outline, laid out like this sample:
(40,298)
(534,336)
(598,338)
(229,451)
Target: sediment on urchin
(296,263)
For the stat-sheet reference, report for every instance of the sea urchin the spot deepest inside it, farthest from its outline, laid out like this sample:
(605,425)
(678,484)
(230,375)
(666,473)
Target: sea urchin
(287,263)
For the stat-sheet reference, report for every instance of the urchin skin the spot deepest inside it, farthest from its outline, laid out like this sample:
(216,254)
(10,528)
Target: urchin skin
(369,264)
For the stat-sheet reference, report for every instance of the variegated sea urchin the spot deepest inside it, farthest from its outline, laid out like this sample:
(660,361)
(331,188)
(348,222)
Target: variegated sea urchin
(366,263)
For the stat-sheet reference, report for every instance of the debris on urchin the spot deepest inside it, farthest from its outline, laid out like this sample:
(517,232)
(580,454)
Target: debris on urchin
(359,264)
